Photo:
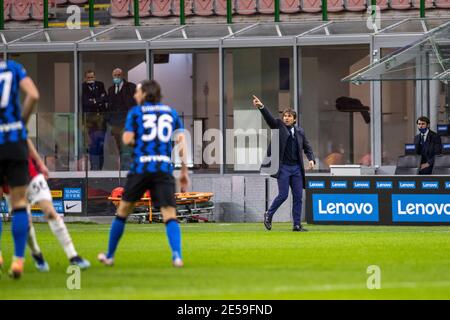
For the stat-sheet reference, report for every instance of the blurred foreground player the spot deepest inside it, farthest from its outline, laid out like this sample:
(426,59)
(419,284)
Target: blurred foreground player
(38,192)
(14,151)
(150,128)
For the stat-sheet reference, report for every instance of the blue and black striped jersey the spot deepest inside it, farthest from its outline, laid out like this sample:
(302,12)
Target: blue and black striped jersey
(12,128)
(153,126)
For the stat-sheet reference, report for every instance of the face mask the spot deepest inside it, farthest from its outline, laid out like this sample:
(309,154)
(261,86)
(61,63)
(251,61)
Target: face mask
(90,82)
(423,130)
(117,80)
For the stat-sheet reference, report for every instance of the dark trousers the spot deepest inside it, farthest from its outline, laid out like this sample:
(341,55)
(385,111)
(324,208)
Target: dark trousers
(289,176)
(96,129)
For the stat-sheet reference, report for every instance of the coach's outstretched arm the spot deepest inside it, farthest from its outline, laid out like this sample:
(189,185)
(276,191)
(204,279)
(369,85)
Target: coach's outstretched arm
(31,97)
(271,121)
(182,147)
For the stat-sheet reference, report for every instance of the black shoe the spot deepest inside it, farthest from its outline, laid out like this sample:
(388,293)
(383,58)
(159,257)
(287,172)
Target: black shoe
(299,228)
(267,221)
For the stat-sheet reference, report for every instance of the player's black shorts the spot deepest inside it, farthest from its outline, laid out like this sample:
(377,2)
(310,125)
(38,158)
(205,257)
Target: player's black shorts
(14,163)
(161,186)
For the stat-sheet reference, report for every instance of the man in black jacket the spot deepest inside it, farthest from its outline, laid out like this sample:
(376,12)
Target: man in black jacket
(290,172)
(94,108)
(428,145)
(121,99)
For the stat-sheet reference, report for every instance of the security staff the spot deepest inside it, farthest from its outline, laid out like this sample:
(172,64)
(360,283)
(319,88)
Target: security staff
(291,172)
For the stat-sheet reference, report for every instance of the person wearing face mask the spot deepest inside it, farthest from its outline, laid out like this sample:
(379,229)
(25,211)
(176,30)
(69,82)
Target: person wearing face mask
(94,101)
(120,97)
(291,172)
(428,145)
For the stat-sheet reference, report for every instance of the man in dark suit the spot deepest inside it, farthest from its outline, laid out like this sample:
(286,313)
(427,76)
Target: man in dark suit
(290,171)
(428,145)
(94,101)
(121,99)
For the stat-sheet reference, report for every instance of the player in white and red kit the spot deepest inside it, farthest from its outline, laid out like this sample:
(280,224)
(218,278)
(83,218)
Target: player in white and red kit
(39,193)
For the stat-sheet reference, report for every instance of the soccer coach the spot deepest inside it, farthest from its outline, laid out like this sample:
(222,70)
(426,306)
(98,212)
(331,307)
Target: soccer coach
(291,172)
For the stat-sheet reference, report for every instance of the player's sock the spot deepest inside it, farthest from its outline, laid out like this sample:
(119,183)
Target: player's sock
(61,233)
(117,228)
(32,241)
(19,228)
(174,237)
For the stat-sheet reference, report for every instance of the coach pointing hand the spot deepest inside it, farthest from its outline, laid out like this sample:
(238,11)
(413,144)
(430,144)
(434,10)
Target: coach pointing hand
(291,172)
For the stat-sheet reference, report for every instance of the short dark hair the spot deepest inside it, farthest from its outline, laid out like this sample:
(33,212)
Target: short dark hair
(152,91)
(291,112)
(89,71)
(423,119)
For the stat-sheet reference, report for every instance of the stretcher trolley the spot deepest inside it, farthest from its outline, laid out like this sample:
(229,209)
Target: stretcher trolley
(191,206)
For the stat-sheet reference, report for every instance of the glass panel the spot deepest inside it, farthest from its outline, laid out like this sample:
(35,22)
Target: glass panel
(117,34)
(268,74)
(296,29)
(103,109)
(267,30)
(411,26)
(397,107)
(58,35)
(148,33)
(206,31)
(425,59)
(415,25)
(335,114)
(53,128)
(68,35)
(348,27)
(190,84)
(11,35)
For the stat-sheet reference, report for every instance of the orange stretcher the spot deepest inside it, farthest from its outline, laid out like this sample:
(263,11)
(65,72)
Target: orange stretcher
(190,206)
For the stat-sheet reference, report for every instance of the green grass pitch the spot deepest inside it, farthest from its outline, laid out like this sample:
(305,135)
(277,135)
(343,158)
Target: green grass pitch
(243,261)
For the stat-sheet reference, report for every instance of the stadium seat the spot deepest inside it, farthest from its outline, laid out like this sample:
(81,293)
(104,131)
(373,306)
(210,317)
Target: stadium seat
(355,5)
(144,8)
(266,6)
(187,7)
(204,7)
(290,6)
(246,7)
(335,5)
(61,1)
(442,3)
(408,165)
(7,9)
(428,4)
(78,1)
(120,8)
(161,8)
(311,5)
(37,8)
(445,139)
(400,4)
(383,4)
(20,10)
(220,7)
(441,164)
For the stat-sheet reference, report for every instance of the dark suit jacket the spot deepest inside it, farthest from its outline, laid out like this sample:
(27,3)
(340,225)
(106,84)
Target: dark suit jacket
(98,94)
(303,143)
(430,148)
(124,99)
